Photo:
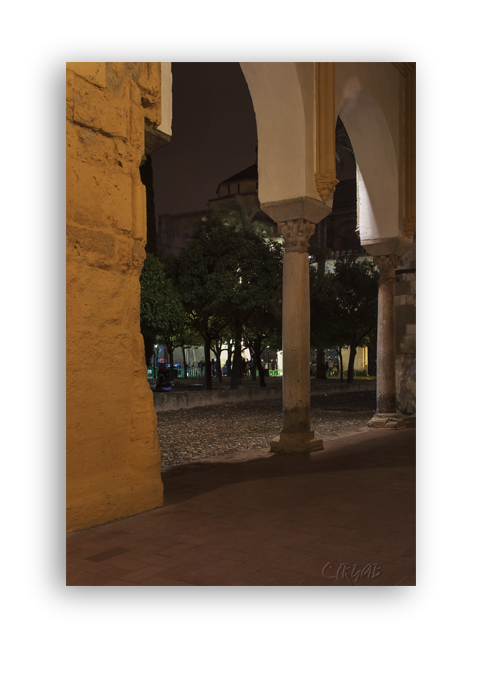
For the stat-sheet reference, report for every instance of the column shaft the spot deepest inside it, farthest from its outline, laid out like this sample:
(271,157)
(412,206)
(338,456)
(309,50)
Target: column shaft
(295,343)
(386,391)
(386,415)
(296,435)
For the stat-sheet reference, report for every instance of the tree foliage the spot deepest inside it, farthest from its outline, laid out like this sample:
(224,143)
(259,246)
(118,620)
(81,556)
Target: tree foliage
(224,275)
(244,215)
(162,316)
(263,330)
(344,306)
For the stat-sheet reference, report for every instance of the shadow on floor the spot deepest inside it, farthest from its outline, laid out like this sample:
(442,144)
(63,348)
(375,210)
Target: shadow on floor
(381,449)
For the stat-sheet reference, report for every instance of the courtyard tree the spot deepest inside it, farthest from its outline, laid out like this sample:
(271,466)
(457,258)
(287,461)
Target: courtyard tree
(258,284)
(264,330)
(322,329)
(355,286)
(162,316)
(222,343)
(203,274)
(343,305)
(242,214)
(188,338)
(224,275)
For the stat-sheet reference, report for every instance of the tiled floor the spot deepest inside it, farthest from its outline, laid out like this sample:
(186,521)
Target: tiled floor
(343,516)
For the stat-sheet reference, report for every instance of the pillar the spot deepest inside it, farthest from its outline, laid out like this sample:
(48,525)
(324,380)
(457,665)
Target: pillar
(296,435)
(113,461)
(386,415)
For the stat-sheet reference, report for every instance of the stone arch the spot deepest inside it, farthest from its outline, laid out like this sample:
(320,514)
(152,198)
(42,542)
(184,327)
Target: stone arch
(282,97)
(377,170)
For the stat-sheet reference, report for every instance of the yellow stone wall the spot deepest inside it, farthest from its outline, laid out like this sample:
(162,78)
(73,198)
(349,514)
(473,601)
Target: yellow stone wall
(360,361)
(113,458)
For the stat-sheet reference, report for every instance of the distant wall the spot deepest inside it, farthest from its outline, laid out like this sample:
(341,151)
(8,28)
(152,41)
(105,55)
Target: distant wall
(405,307)
(164,402)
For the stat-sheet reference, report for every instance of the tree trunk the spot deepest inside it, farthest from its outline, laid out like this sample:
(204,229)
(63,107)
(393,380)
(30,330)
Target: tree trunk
(184,362)
(341,363)
(171,358)
(217,352)
(253,364)
(171,350)
(229,359)
(149,341)
(207,365)
(236,364)
(257,354)
(353,353)
(320,372)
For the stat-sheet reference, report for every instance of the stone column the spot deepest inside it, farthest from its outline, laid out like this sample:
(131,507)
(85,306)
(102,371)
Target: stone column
(296,435)
(386,416)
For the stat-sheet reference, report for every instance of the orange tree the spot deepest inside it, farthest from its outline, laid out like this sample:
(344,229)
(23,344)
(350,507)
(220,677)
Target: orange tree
(162,316)
(344,306)
(224,275)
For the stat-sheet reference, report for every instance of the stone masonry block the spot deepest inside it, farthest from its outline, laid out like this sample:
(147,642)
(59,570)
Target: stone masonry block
(124,248)
(402,288)
(150,78)
(101,110)
(89,145)
(98,197)
(97,247)
(94,72)
(408,344)
(103,300)
(70,91)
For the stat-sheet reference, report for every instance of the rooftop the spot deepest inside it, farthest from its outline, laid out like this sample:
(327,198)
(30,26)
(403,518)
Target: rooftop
(250,173)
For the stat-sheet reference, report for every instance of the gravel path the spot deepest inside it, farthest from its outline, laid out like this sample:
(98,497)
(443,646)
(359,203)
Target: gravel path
(218,431)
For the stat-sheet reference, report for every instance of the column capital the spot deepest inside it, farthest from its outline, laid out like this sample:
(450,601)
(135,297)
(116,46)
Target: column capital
(296,234)
(387,246)
(387,265)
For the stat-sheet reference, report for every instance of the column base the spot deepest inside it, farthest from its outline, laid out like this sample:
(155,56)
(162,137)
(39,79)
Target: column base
(384,420)
(300,443)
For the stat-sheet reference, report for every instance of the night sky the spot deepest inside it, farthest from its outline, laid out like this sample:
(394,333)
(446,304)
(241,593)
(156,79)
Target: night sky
(214,135)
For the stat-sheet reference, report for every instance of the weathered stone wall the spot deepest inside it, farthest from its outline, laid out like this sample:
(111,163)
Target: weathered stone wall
(113,458)
(406,371)
(405,308)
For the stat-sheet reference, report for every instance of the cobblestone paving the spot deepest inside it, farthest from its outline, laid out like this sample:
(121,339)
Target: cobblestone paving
(215,431)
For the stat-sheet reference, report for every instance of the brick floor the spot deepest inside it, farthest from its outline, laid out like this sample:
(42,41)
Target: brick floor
(274,521)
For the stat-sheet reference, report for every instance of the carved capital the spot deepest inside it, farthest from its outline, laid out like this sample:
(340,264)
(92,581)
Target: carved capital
(325,187)
(409,227)
(387,265)
(296,234)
